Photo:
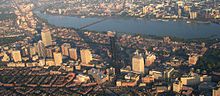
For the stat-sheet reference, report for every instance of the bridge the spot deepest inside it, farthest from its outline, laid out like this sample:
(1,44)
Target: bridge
(92,23)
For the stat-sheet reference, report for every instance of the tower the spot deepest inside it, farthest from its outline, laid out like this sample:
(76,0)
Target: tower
(86,56)
(65,49)
(32,51)
(41,49)
(73,53)
(46,37)
(49,52)
(115,60)
(138,63)
(58,58)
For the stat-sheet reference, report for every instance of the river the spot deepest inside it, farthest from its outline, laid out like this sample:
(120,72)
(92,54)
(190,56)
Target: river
(179,29)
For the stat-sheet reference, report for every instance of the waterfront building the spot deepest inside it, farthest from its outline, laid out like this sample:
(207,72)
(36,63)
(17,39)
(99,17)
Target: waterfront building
(193,15)
(145,9)
(179,12)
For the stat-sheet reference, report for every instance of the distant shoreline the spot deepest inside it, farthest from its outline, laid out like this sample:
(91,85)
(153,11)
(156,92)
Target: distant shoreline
(170,19)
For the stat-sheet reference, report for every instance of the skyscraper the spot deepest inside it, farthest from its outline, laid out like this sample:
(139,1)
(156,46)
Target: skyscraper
(58,58)
(65,49)
(16,55)
(86,56)
(73,53)
(41,49)
(138,63)
(49,52)
(32,51)
(46,37)
(114,52)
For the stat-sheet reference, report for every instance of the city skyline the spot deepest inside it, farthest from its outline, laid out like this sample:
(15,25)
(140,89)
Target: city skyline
(40,55)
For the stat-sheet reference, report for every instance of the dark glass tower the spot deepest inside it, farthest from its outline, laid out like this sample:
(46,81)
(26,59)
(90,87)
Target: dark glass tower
(114,52)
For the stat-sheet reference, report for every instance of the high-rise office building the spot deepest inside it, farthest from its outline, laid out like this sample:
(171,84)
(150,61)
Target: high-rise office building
(32,51)
(49,52)
(41,49)
(115,62)
(65,49)
(16,55)
(138,63)
(73,53)
(46,37)
(58,58)
(86,56)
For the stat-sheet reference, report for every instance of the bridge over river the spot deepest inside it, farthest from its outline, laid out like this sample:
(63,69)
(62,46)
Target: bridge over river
(92,23)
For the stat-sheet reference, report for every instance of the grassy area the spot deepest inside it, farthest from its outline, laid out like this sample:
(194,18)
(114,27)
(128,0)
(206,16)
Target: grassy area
(210,61)
(7,16)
